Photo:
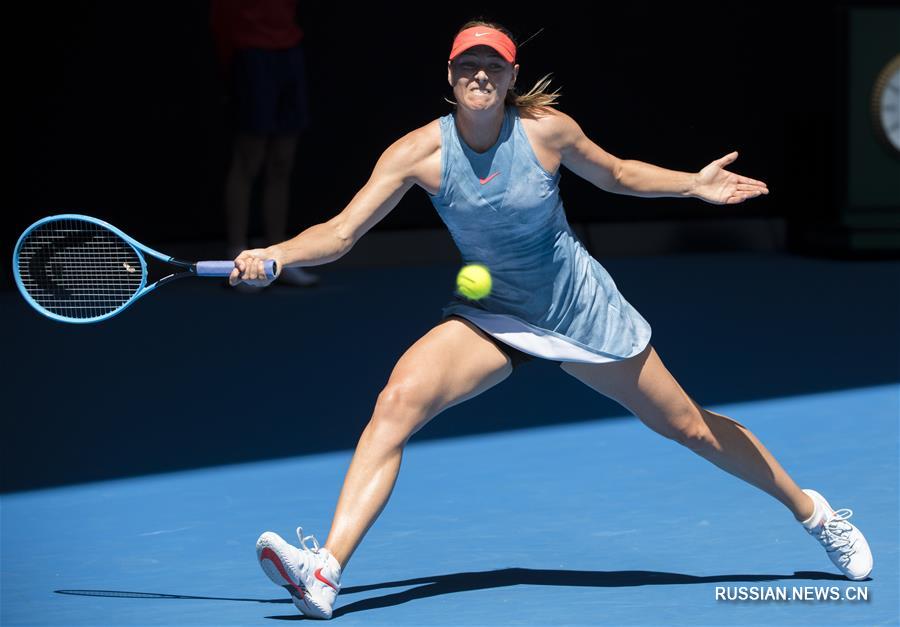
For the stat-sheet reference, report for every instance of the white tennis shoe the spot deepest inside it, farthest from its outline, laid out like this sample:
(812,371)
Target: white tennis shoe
(312,576)
(845,544)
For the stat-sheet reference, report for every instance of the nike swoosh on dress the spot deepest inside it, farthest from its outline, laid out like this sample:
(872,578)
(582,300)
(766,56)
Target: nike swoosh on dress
(488,179)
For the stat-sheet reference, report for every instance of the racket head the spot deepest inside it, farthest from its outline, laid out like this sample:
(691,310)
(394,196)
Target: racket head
(78,269)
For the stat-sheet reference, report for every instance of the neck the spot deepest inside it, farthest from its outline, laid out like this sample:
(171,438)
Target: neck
(480,129)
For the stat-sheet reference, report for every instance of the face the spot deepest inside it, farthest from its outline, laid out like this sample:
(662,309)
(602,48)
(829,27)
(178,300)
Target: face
(480,78)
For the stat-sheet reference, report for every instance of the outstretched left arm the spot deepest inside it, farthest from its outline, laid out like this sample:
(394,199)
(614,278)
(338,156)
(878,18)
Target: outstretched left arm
(713,183)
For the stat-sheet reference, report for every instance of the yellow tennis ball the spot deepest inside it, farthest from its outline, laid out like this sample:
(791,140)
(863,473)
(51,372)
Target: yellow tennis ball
(474,281)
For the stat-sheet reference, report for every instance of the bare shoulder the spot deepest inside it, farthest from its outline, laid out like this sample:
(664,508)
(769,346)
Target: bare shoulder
(418,155)
(553,128)
(418,143)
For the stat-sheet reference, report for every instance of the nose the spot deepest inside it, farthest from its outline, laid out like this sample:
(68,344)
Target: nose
(481,76)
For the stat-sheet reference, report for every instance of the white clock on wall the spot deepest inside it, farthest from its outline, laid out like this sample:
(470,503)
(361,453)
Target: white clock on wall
(886,105)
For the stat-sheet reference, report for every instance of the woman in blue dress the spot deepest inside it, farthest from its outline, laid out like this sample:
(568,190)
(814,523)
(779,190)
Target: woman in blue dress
(491,169)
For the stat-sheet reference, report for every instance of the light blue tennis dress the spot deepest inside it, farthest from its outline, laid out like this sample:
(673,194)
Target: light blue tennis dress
(550,298)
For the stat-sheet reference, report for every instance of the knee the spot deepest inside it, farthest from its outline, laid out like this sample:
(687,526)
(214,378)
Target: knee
(247,161)
(279,165)
(399,412)
(692,432)
(694,438)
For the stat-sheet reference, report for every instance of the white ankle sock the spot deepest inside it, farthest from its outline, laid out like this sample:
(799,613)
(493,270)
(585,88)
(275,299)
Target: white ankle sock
(334,567)
(817,514)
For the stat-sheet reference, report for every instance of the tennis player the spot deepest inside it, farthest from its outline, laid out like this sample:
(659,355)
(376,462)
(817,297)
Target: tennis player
(491,169)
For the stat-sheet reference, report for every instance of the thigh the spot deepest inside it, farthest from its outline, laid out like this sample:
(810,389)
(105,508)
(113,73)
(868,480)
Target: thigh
(451,363)
(644,386)
(280,151)
(249,152)
(293,100)
(516,357)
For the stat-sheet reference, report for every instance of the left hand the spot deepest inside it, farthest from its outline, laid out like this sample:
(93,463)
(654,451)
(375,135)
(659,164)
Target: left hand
(716,185)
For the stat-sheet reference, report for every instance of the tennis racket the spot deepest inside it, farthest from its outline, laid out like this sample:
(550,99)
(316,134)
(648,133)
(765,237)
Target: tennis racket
(75,268)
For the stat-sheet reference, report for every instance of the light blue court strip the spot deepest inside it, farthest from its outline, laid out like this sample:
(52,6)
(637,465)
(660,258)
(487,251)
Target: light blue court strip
(594,523)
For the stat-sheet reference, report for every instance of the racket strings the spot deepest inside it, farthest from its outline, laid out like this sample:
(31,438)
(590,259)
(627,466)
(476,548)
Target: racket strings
(77,269)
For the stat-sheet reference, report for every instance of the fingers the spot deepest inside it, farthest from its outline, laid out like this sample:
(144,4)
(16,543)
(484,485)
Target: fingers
(741,196)
(235,277)
(246,266)
(256,271)
(250,268)
(743,180)
(729,158)
(753,187)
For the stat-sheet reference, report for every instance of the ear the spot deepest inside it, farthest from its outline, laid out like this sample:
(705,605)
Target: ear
(450,73)
(515,74)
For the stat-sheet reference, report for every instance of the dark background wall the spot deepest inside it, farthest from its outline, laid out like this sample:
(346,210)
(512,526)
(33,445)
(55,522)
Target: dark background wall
(118,107)
(117,110)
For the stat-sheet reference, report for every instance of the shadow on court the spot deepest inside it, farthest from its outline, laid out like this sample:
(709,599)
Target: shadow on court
(464,582)
(198,375)
(126,594)
(484,580)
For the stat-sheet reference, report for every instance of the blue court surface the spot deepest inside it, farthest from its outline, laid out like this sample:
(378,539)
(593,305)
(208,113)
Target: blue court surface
(539,503)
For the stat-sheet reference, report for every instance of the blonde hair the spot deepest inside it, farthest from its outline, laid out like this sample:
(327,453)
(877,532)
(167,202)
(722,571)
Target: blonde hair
(535,98)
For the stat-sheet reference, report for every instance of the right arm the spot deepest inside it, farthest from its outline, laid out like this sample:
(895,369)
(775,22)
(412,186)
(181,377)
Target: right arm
(397,170)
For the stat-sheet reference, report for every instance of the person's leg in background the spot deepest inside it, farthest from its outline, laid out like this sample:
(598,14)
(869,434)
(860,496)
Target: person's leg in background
(277,186)
(276,200)
(270,112)
(253,98)
(246,162)
(291,118)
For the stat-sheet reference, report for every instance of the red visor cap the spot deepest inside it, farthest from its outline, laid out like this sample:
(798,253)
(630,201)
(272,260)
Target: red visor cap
(483,36)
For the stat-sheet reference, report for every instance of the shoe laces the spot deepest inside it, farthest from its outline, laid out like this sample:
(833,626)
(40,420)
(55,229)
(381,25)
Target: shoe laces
(303,540)
(834,533)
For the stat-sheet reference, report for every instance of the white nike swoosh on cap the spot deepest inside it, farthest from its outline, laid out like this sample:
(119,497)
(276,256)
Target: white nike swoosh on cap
(481,34)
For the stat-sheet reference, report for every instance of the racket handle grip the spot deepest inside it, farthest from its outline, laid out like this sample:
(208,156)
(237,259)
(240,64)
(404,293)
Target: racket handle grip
(224,268)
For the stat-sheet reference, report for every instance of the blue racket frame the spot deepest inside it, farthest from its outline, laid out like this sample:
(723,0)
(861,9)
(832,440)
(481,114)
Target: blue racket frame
(201,268)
